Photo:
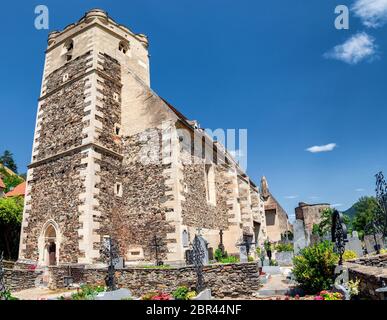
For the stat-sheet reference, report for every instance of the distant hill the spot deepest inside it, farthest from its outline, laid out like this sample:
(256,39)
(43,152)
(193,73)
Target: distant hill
(350,212)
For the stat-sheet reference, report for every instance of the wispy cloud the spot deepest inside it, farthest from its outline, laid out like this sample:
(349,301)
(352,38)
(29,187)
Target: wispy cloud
(373,13)
(291,197)
(357,48)
(323,148)
(335,205)
(314,197)
(359,190)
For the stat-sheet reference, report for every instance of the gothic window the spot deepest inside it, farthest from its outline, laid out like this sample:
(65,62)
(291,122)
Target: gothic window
(210,184)
(185,239)
(123,47)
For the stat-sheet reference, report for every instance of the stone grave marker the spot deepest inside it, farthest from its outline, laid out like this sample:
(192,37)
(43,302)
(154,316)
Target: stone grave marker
(243,254)
(204,245)
(354,244)
(299,236)
(370,243)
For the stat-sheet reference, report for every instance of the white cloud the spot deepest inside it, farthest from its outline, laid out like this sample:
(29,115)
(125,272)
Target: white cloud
(335,205)
(314,197)
(357,48)
(373,13)
(291,197)
(324,148)
(360,190)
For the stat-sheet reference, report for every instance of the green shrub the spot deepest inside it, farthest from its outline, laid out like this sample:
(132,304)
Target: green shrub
(183,293)
(6,295)
(219,254)
(314,267)
(273,263)
(87,292)
(282,247)
(349,255)
(230,259)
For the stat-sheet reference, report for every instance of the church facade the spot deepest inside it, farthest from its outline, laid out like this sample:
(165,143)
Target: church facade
(112,158)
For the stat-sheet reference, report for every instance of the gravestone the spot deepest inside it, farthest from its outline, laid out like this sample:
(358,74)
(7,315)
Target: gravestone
(204,246)
(370,243)
(284,258)
(114,295)
(354,244)
(243,254)
(299,236)
(119,263)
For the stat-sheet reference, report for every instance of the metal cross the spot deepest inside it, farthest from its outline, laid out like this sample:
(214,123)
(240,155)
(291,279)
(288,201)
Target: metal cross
(197,256)
(339,234)
(157,244)
(247,244)
(221,245)
(110,252)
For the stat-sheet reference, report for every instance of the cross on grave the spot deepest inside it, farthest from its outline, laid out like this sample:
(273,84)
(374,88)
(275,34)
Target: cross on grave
(247,245)
(197,257)
(221,245)
(199,231)
(156,244)
(110,252)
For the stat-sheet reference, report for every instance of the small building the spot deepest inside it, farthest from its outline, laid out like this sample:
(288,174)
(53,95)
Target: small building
(277,220)
(310,214)
(18,191)
(2,188)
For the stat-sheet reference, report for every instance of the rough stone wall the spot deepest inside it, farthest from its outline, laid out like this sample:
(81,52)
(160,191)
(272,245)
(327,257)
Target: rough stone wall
(310,214)
(110,109)
(140,213)
(55,190)
(372,273)
(62,110)
(17,280)
(228,280)
(196,211)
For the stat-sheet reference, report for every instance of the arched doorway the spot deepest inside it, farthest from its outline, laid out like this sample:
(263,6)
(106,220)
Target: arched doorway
(50,246)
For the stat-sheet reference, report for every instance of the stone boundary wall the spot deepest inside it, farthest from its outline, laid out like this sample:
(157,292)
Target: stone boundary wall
(372,273)
(225,280)
(17,280)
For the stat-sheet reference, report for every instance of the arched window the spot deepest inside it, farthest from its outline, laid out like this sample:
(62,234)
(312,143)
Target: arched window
(123,47)
(210,184)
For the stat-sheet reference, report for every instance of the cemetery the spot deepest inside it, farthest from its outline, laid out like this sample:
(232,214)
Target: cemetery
(335,266)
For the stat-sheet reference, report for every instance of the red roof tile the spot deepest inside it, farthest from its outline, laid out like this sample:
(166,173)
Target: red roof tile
(20,190)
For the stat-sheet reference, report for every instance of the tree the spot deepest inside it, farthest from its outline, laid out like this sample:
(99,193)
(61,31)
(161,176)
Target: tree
(365,211)
(325,225)
(7,160)
(11,213)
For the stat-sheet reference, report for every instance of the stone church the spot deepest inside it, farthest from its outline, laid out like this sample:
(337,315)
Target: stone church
(112,158)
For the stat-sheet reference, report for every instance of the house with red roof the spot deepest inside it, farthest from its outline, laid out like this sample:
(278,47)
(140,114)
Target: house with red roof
(18,191)
(2,188)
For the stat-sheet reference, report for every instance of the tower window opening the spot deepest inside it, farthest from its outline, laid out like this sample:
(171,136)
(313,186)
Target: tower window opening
(123,47)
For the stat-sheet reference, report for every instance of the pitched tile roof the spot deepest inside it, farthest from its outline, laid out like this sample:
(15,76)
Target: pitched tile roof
(20,190)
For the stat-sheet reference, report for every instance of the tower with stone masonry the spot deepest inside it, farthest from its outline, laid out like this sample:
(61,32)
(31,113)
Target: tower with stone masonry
(98,124)
(77,138)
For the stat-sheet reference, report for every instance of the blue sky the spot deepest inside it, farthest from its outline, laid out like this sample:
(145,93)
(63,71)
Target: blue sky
(277,68)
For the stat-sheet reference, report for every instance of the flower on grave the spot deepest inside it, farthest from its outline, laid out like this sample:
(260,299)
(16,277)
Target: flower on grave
(318,298)
(162,296)
(297,297)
